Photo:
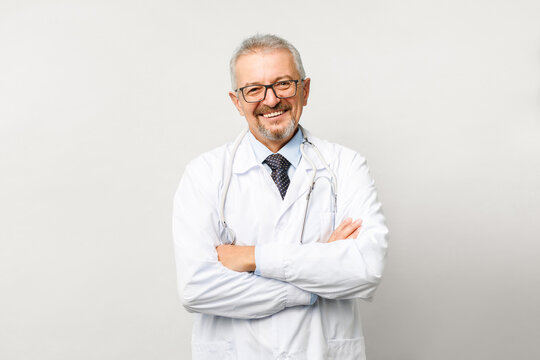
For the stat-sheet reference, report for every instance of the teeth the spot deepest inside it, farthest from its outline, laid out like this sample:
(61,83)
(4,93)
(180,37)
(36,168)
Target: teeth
(273,114)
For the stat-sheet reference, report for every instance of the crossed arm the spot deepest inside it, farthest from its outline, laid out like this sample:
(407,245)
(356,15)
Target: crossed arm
(242,258)
(218,279)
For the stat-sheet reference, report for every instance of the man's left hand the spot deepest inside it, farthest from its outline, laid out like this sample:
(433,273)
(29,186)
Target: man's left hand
(237,258)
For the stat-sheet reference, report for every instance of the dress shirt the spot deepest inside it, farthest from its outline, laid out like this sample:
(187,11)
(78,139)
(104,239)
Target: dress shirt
(291,151)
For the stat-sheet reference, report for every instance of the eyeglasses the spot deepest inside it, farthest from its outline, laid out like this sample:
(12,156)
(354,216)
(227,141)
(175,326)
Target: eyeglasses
(282,89)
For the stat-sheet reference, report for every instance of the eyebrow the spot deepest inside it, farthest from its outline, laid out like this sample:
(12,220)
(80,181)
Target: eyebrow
(284,77)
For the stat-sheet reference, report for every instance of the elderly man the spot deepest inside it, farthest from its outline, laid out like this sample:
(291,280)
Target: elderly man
(259,257)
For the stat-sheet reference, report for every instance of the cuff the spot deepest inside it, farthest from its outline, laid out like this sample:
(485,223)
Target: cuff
(296,296)
(257,261)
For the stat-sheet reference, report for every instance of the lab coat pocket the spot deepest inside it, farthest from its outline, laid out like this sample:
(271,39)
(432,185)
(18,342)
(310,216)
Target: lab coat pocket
(344,349)
(326,220)
(222,350)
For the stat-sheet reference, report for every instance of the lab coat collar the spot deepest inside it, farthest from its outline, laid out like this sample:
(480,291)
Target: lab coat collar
(324,148)
(245,158)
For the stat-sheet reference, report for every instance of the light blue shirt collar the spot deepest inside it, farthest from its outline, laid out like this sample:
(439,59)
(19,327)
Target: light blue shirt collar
(291,150)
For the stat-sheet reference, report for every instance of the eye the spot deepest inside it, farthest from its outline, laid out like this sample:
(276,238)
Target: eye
(253,90)
(283,84)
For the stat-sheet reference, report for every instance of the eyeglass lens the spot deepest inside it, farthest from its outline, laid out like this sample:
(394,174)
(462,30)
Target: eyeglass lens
(282,89)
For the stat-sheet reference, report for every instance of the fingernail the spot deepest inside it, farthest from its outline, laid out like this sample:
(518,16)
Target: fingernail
(358,221)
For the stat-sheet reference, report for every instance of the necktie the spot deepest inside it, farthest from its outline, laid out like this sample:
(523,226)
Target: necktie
(279,166)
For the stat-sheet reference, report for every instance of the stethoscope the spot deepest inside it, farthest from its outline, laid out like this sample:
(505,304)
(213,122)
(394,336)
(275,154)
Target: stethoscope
(228,235)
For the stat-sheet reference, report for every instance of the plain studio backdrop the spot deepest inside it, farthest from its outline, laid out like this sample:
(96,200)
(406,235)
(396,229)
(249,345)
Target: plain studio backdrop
(103,103)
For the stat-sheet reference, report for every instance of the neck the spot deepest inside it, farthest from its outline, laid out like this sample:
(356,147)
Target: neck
(273,145)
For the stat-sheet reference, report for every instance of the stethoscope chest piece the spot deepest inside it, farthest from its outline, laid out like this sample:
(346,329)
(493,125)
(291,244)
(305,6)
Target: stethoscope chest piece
(228,237)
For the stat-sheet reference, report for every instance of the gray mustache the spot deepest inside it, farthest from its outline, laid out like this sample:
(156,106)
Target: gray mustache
(278,107)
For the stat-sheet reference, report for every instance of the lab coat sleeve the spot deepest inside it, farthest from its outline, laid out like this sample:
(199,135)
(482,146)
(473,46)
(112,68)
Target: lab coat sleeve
(343,269)
(205,285)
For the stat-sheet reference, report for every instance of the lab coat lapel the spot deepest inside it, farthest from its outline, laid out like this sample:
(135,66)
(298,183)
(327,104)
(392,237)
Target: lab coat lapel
(299,184)
(244,158)
(301,181)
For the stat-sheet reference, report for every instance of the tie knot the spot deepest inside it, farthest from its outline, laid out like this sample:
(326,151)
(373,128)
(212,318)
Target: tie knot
(277,161)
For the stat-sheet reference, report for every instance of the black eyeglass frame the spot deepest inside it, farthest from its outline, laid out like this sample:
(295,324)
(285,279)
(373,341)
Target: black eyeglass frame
(271,86)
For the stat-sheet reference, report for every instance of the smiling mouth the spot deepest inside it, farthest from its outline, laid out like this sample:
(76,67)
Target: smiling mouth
(273,114)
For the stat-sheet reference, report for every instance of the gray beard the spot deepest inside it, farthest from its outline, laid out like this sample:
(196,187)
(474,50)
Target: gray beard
(277,135)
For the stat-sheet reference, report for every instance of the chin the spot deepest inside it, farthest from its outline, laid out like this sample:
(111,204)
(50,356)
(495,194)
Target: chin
(278,134)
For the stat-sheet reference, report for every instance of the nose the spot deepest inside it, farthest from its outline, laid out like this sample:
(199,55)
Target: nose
(271,99)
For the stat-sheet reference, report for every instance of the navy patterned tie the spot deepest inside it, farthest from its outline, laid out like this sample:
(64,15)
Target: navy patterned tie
(279,166)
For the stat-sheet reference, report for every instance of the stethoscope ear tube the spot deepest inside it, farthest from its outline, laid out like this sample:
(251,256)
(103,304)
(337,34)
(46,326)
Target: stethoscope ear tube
(228,233)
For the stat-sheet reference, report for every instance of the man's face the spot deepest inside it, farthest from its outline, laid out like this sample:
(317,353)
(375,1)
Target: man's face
(272,121)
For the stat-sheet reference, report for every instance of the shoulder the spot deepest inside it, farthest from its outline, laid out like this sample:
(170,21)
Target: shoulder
(349,166)
(338,156)
(202,177)
(209,168)
(209,161)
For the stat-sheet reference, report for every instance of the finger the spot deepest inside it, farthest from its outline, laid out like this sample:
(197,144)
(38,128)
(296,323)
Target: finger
(342,230)
(338,233)
(354,235)
(346,222)
(352,227)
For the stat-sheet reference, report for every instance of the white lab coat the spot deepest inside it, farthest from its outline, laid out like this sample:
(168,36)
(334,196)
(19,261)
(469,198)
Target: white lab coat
(246,316)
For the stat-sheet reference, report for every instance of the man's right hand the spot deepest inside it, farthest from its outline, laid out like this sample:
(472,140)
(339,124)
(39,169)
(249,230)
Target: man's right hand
(348,229)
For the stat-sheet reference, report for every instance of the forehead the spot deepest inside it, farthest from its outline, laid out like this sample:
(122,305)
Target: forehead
(265,67)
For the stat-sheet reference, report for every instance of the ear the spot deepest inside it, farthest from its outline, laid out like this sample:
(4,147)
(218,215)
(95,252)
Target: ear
(305,90)
(236,102)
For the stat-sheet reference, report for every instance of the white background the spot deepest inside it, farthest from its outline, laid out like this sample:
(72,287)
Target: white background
(102,104)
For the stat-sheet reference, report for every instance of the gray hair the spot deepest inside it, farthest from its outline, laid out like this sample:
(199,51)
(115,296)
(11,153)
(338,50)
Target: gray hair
(264,42)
